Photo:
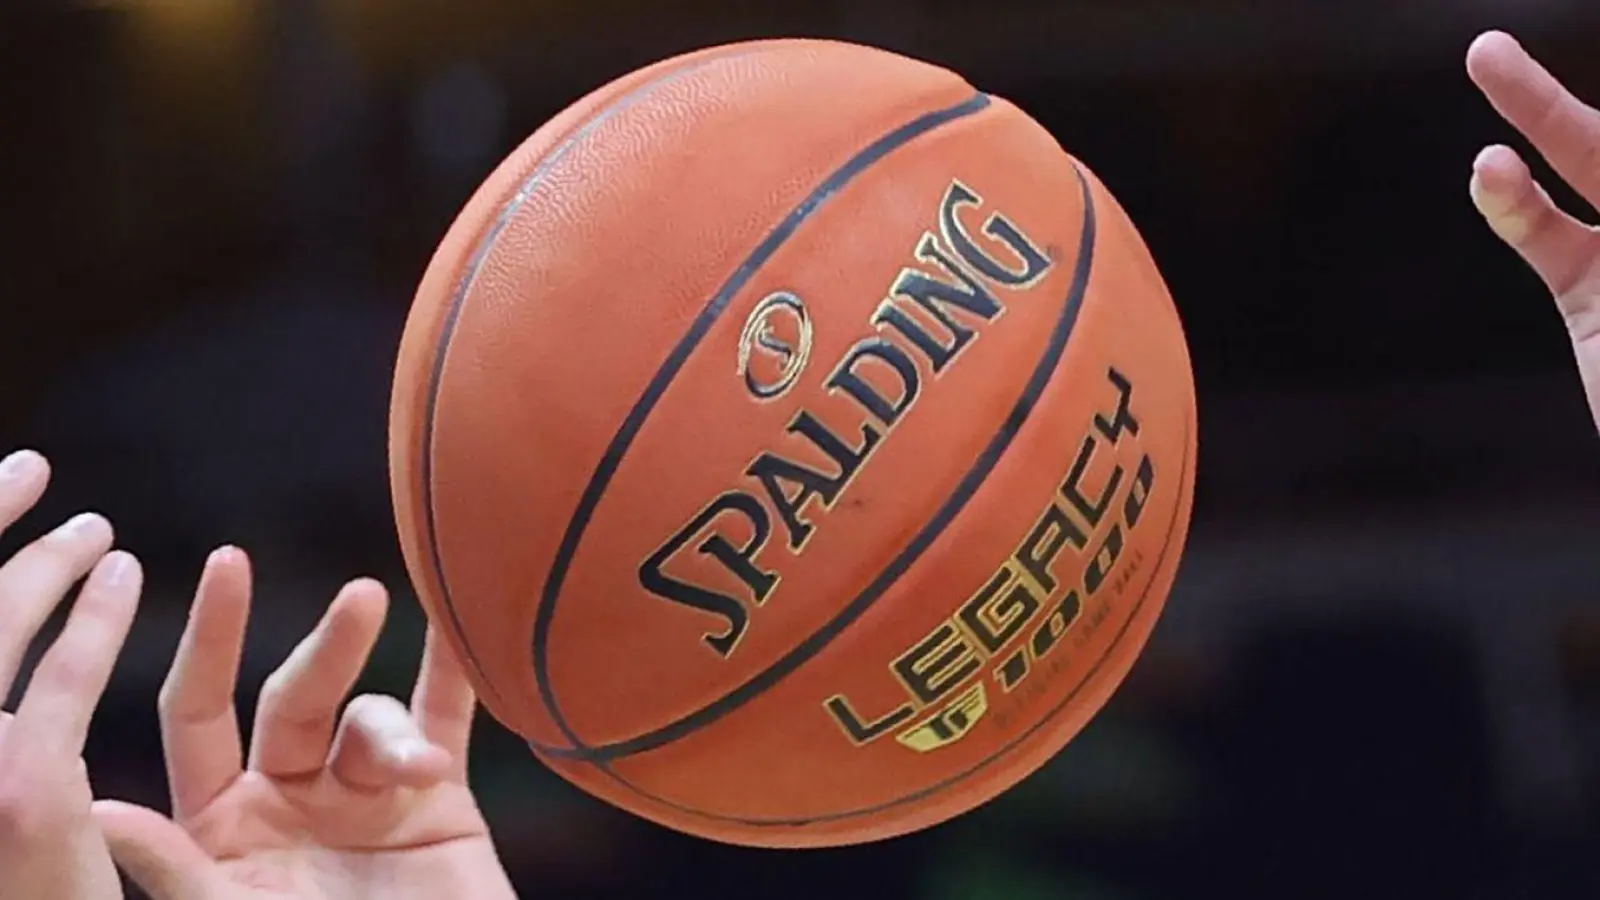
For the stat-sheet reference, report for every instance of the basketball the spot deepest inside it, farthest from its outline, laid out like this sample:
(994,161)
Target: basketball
(794,443)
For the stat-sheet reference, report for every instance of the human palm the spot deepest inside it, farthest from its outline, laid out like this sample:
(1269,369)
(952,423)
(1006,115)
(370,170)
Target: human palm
(373,803)
(1562,249)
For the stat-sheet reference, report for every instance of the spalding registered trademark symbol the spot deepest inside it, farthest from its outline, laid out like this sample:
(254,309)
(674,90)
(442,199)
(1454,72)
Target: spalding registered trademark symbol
(775,345)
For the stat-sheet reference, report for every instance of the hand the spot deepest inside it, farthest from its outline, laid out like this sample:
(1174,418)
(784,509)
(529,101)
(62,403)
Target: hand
(1563,250)
(49,847)
(377,806)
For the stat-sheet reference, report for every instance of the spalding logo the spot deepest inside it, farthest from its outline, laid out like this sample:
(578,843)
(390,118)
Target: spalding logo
(775,345)
(930,315)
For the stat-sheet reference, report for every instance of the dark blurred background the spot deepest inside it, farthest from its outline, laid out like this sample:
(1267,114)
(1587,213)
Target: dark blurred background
(1379,675)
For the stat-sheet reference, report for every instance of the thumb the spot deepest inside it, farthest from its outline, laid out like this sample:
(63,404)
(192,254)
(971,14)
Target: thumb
(154,851)
(379,744)
(1561,249)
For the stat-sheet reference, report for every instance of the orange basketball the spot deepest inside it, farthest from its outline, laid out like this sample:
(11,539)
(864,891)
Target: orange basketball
(794,442)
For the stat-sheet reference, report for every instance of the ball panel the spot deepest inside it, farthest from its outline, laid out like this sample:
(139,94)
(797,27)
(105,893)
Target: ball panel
(627,199)
(410,403)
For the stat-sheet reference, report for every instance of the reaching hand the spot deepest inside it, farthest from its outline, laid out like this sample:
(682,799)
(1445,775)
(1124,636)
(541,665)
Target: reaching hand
(49,846)
(1566,132)
(371,804)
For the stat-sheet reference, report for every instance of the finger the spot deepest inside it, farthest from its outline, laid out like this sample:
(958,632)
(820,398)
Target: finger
(1588,355)
(1557,246)
(443,702)
(1563,128)
(160,857)
(23,477)
(66,688)
(199,721)
(381,745)
(34,581)
(300,701)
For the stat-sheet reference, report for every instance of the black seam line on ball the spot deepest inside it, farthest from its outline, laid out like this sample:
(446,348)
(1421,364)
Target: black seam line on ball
(458,300)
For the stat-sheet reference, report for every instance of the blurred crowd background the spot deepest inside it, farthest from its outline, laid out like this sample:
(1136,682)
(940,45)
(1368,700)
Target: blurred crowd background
(1379,675)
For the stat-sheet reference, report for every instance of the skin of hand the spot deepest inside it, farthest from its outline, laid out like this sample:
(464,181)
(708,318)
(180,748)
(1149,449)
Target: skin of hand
(369,803)
(1562,249)
(49,846)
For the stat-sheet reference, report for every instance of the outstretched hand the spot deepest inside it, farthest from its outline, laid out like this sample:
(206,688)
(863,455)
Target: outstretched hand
(1561,248)
(373,802)
(49,847)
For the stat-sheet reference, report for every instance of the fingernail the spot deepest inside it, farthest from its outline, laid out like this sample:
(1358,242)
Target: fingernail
(19,465)
(410,750)
(1499,211)
(1487,154)
(81,526)
(1489,202)
(122,568)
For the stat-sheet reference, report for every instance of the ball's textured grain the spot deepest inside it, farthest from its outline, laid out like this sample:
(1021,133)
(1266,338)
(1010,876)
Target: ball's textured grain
(795,442)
